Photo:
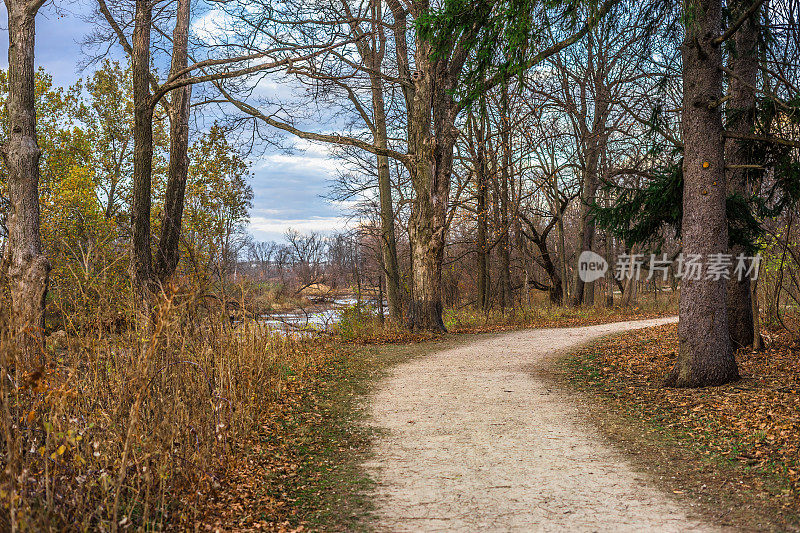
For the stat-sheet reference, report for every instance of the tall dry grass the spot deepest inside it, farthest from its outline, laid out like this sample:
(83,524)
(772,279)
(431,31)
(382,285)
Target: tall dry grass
(539,312)
(115,430)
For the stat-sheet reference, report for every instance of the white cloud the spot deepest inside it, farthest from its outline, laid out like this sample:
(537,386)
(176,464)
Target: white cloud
(301,163)
(279,226)
(308,158)
(211,25)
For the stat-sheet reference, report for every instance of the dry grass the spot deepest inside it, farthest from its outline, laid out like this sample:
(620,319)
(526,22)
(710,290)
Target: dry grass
(116,429)
(540,313)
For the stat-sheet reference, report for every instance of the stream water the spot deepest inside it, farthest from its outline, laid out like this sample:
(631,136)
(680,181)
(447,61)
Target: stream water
(320,316)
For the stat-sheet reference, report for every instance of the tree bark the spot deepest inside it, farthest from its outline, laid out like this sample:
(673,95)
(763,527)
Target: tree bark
(705,355)
(595,144)
(556,292)
(630,292)
(503,200)
(167,255)
(482,189)
(26,267)
(388,235)
(758,342)
(141,256)
(433,137)
(561,244)
(741,116)
(539,238)
(609,260)
(388,238)
(586,232)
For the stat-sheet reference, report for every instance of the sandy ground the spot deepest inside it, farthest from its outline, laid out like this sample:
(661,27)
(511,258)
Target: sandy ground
(474,441)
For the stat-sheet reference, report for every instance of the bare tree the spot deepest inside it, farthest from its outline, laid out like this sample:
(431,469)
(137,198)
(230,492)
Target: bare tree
(141,258)
(308,252)
(428,79)
(148,93)
(477,133)
(25,265)
(180,103)
(263,255)
(593,79)
(342,77)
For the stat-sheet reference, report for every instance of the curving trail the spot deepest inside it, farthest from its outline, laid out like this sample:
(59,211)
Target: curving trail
(474,441)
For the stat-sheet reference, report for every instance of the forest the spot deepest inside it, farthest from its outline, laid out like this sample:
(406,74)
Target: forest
(507,168)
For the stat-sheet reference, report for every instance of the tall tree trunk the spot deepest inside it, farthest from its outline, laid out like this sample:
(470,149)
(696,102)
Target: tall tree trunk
(522,247)
(503,203)
(608,283)
(741,116)
(178,172)
(587,227)
(610,260)
(381,314)
(630,292)
(481,186)
(432,141)
(527,294)
(561,244)
(388,237)
(609,256)
(758,342)
(595,146)
(373,51)
(705,356)
(26,267)
(496,154)
(427,233)
(141,258)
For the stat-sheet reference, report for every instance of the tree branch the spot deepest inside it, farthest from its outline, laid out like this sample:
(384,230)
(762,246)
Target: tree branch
(192,80)
(761,138)
(332,139)
(738,24)
(557,47)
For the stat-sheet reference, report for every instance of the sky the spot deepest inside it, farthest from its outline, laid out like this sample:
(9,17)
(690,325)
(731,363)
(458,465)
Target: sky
(288,187)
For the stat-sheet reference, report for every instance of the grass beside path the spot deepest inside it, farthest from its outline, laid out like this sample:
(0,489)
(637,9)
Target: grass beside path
(731,450)
(300,469)
(541,314)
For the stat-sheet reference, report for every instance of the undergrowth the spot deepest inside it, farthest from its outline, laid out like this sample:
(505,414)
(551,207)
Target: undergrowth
(115,430)
(541,313)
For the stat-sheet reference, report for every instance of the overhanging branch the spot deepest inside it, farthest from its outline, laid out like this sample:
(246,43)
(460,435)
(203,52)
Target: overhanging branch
(311,136)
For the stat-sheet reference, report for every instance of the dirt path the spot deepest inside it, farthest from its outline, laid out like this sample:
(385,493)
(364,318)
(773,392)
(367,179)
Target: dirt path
(475,442)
